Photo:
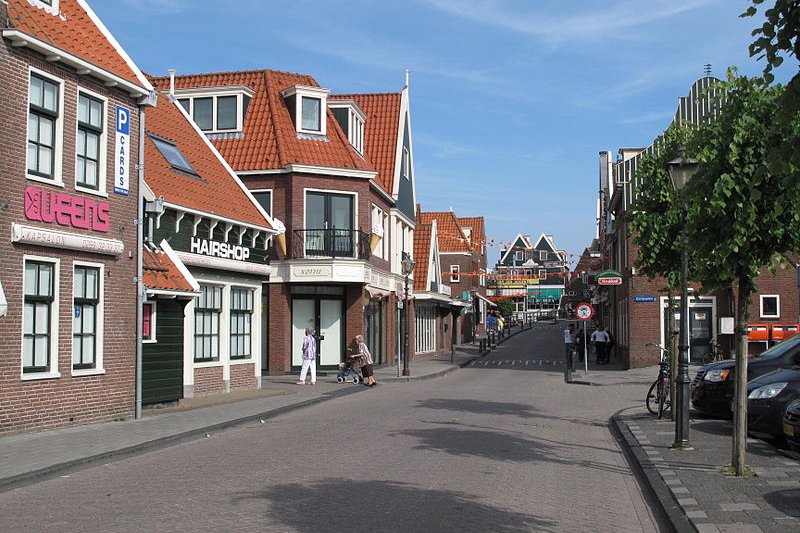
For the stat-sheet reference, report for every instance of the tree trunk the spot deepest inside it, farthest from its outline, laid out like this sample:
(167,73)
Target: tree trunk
(740,396)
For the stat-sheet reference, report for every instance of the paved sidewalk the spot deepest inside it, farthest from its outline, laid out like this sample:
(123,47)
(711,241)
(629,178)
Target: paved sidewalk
(693,490)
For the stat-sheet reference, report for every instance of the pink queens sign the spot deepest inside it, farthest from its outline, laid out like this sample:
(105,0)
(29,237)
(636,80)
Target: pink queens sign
(66,210)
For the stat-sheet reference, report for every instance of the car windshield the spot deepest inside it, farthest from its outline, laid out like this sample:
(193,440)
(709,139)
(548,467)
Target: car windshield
(780,349)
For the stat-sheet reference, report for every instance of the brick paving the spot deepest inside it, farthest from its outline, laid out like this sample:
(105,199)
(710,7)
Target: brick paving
(689,485)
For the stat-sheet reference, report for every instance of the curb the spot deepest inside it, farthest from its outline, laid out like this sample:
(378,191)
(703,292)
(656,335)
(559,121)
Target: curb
(646,470)
(76,465)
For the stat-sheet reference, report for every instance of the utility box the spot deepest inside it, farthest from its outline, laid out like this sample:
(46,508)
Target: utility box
(726,325)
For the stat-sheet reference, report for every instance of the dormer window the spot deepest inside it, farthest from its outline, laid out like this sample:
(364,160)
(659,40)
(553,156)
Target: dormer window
(217,109)
(307,107)
(351,118)
(51,6)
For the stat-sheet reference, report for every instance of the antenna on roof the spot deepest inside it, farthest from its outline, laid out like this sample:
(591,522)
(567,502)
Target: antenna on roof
(707,70)
(171,81)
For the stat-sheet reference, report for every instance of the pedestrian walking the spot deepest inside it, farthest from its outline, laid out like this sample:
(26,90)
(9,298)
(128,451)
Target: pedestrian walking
(309,357)
(366,362)
(568,343)
(600,341)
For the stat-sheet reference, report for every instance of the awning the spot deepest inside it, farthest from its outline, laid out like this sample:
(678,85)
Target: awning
(378,293)
(3,302)
(487,300)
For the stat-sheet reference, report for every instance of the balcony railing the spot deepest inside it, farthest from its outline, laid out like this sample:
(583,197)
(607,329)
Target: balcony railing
(317,243)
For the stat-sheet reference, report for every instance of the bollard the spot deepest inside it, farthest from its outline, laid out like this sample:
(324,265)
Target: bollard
(452,355)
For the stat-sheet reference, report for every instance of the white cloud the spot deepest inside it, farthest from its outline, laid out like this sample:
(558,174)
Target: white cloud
(601,20)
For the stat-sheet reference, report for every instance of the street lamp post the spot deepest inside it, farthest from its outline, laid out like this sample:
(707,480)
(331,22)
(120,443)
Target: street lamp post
(680,172)
(408,267)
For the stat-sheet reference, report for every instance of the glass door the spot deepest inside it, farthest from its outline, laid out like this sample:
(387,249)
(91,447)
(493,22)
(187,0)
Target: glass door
(329,224)
(303,316)
(330,332)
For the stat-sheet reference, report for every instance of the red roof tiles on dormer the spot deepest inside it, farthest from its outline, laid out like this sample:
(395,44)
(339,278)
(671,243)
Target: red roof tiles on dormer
(215,190)
(380,132)
(423,234)
(269,140)
(448,231)
(160,273)
(77,31)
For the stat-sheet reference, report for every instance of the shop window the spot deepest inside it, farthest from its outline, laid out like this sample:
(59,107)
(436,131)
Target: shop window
(207,311)
(39,318)
(86,317)
(241,323)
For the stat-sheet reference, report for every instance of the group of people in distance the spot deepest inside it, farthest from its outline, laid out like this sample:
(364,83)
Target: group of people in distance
(600,339)
(359,355)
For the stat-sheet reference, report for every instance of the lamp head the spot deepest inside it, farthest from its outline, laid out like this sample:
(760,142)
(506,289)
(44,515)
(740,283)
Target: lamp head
(681,170)
(408,264)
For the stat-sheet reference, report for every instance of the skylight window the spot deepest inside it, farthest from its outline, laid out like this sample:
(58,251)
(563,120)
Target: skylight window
(173,155)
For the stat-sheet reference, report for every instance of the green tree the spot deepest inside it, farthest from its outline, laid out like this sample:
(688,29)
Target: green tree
(779,36)
(741,212)
(506,306)
(655,224)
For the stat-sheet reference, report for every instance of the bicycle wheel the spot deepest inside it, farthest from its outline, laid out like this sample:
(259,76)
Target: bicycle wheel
(662,391)
(651,400)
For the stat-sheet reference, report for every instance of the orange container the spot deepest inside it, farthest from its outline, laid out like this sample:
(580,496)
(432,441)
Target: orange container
(758,332)
(781,332)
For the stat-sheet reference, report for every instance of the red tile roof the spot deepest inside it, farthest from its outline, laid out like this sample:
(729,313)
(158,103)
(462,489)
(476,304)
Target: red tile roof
(74,31)
(448,230)
(478,236)
(160,273)
(380,132)
(422,255)
(269,139)
(216,191)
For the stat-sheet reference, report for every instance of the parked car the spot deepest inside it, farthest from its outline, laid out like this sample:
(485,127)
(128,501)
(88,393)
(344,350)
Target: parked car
(767,398)
(713,387)
(791,425)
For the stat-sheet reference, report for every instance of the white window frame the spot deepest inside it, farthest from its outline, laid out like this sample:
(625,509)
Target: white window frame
(542,255)
(542,273)
(222,329)
(251,313)
(58,143)
(271,199)
(102,173)
(54,322)
(99,320)
(214,93)
(305,91)
(406,163)
(152,339)
(379,219)
(52,9)
(761,298)
(455,273)
(519,255)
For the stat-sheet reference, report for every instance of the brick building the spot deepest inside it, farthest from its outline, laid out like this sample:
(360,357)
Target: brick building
(637,311)
(338,171)
(70,108)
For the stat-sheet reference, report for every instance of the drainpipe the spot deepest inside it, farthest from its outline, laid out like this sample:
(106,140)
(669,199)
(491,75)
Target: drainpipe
(140,290)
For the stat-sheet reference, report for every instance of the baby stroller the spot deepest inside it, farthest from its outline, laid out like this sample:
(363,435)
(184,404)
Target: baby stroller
(348,373)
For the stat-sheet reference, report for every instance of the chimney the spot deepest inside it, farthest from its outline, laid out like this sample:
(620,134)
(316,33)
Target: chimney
(171,82)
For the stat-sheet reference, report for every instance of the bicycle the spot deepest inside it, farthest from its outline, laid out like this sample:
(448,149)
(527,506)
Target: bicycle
(657,399)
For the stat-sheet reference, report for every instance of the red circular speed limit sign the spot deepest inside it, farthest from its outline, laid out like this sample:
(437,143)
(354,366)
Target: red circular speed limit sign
(584,311)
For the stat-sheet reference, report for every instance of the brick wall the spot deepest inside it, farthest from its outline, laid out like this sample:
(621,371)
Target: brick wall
(242,376)
(67,399)
(280,329)
(208,380)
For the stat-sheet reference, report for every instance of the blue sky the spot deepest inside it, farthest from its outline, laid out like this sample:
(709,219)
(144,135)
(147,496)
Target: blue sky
(511,100)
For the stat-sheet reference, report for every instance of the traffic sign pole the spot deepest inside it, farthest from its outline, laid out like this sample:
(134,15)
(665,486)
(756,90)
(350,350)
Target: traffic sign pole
(585,312)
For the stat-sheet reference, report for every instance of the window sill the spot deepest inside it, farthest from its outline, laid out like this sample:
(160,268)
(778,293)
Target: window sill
(247,361)
(207,364)
(35,376)
(88,372)
(93,192)
(150,341)
(48,181)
